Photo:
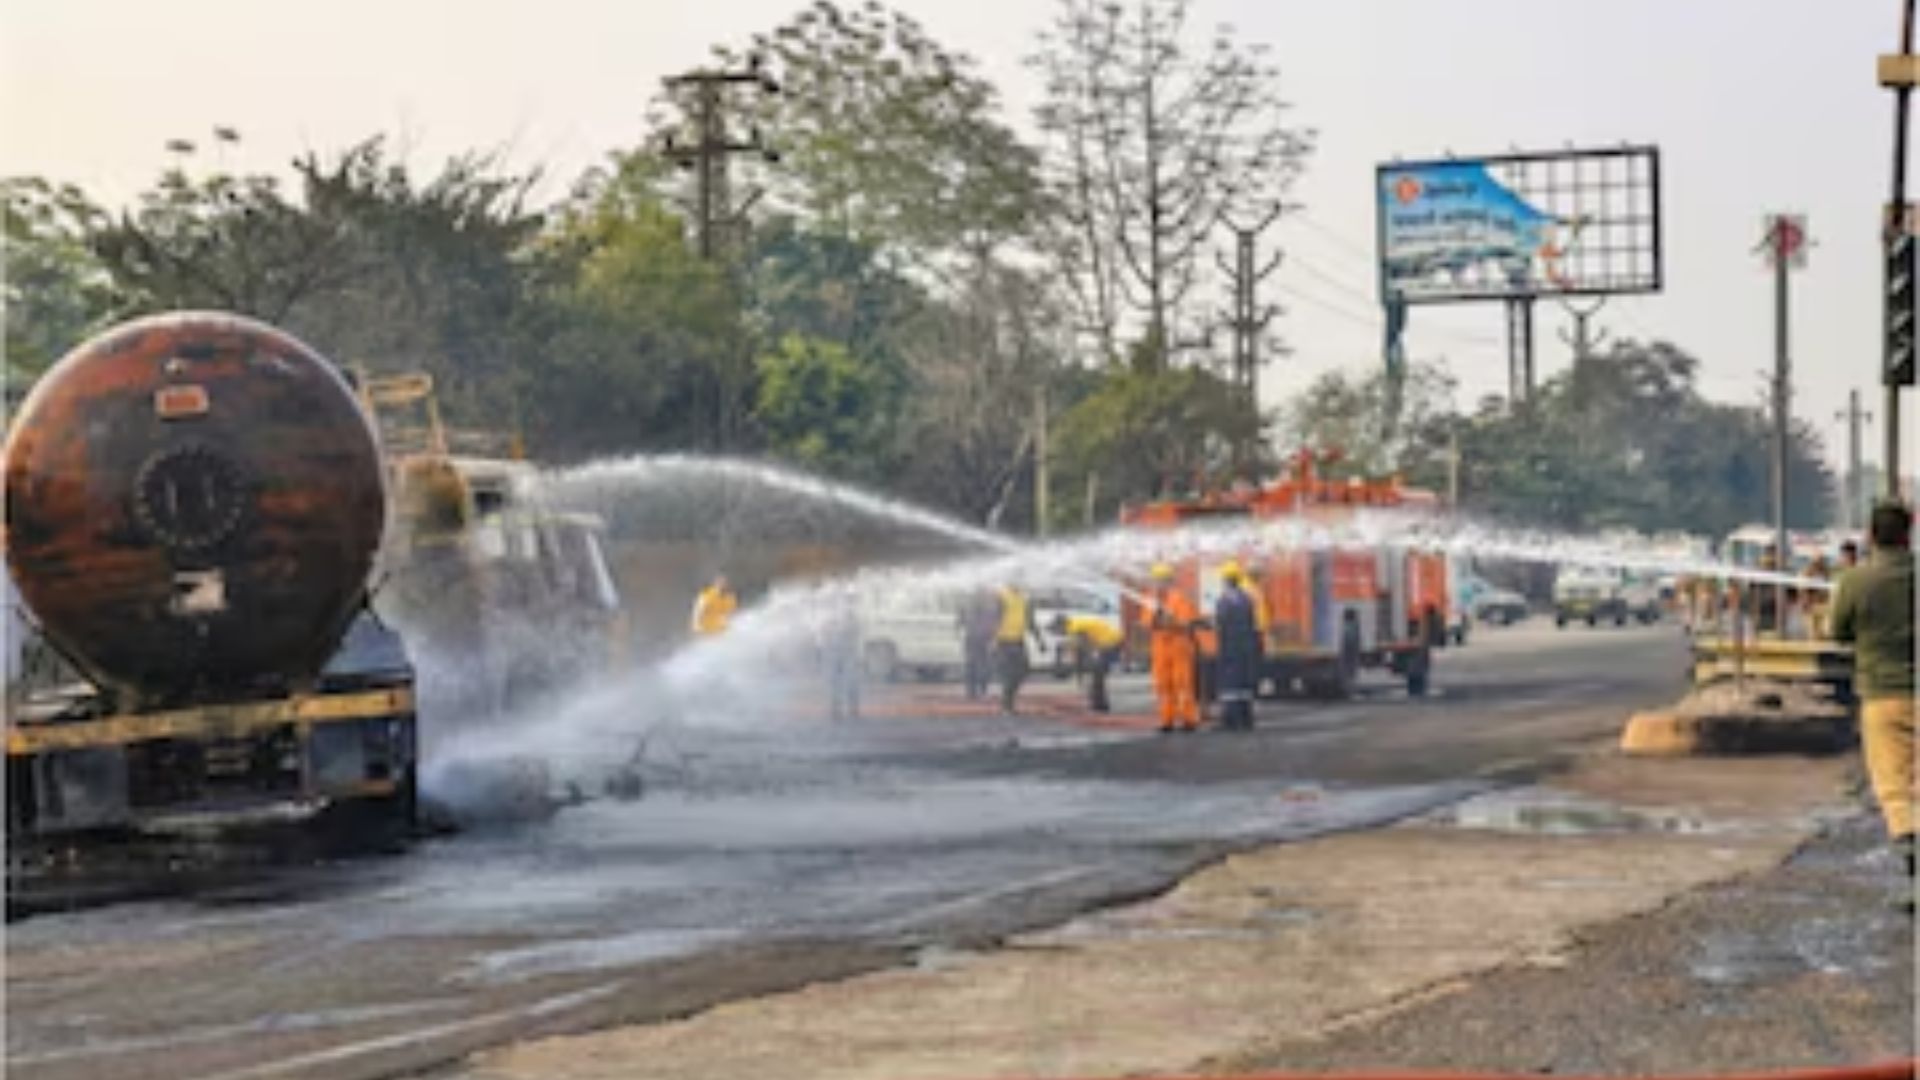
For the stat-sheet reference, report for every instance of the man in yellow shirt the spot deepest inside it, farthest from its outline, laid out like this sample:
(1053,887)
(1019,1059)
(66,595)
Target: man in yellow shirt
(1010,644)
(1096,646)
(713,609)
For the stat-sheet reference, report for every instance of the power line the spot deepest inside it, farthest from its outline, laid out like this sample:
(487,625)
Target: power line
(1339,283)
(1359,253)
(1376,322)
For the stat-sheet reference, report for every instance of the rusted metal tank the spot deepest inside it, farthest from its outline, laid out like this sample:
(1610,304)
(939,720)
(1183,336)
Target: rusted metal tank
(194,503)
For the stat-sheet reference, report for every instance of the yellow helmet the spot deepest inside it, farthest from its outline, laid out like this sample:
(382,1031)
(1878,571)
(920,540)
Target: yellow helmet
(1230,571)
(1162,572)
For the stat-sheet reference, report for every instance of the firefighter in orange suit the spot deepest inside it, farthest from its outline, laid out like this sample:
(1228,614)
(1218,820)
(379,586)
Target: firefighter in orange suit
(1171,620)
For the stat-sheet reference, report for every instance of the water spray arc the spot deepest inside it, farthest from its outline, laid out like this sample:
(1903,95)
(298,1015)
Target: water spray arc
(748,677)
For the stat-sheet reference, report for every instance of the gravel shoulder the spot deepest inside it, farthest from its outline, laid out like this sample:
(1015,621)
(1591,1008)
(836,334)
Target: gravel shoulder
(1350,950)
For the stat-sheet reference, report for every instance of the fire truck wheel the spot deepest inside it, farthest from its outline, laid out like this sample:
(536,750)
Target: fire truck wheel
(1347,672)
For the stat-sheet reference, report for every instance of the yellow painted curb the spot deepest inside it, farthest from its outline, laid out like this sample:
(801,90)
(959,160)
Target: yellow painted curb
(1660,733)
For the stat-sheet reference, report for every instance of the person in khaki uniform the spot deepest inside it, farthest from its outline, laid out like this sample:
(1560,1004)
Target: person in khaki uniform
(1873,609)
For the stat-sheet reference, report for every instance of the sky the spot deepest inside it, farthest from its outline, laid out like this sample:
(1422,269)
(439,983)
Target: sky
(1756,106)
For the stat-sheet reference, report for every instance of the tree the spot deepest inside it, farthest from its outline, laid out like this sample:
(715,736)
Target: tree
(230,243)
(889,138)
(975,360)
(1623,440)
(645,350)
(1155,140)
(362,259)
(825,409)
(1146,433)
(1351,415)
(56,291)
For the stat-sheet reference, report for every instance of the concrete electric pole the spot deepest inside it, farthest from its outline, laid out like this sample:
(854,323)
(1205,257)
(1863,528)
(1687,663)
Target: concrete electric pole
(1786,247)
(702,94)
(1249,318)
(1583,341)
(1898,72)
(1853,497)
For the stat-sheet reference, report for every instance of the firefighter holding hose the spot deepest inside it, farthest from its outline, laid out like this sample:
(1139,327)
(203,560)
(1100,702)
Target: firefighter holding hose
(1171,619)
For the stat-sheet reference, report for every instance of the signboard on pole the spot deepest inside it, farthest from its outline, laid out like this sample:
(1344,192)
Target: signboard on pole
(1572,223)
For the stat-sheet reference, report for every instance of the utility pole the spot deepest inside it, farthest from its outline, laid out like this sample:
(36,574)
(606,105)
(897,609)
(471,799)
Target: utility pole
(1248,319)
(1898,72)
(1854,497)
(713,146)
(1041,459)
(1786,246)
(1453,467)
(1582,341)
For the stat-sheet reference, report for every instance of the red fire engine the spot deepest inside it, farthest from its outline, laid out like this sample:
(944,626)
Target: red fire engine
(1331,611)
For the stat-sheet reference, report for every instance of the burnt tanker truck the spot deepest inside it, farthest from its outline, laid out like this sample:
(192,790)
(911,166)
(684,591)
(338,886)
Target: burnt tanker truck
(194,505)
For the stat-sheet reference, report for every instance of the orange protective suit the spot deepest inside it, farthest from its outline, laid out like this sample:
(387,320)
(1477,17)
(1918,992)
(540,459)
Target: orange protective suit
(1170,620)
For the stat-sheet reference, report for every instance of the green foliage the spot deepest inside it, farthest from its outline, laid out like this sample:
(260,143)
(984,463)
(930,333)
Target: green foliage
(1149,433)
(824,407)
(1353,416)
(888,137)
(56,291)
(915,300)
(1620,440)
(645,350)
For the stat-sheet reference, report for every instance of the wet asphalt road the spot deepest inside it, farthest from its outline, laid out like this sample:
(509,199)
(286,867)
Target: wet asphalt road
(766,857)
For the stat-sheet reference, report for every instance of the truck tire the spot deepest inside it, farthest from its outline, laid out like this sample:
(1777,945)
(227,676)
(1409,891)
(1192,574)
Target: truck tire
(1347,669)
(1419,666)
(1560,620)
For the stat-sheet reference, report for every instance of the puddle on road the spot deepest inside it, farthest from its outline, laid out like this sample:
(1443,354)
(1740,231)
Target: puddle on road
(1557,813)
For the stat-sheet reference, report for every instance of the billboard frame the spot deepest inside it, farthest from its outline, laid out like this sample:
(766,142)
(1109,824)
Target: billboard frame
(1657,223)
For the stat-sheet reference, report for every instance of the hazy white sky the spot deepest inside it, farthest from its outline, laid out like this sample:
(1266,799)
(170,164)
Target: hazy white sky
(1755,104)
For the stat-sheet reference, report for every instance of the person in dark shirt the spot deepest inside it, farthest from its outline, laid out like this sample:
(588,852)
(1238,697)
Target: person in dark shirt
(1237,624)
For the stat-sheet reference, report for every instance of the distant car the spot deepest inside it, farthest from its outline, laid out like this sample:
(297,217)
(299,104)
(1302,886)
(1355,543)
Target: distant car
(1500,607)
(912,633)
(1596,597)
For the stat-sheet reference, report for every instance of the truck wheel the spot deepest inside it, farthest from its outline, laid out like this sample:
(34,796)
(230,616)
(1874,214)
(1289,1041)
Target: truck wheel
(1347,673)
(1620,619)
(1593,620)
(1560,621)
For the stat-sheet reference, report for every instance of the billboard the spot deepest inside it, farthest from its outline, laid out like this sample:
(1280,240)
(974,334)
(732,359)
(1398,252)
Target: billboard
(1568,223)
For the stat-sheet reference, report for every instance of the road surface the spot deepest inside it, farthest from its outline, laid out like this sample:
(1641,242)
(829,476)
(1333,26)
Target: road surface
(774,855)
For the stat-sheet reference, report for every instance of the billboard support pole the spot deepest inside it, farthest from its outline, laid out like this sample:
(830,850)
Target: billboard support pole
(1519,349)
(1526,341)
